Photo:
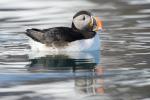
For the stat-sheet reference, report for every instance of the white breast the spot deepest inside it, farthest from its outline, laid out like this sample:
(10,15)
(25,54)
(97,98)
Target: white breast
(79,45)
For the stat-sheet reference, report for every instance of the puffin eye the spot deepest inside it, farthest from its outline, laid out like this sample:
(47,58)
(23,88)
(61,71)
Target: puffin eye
(84,18)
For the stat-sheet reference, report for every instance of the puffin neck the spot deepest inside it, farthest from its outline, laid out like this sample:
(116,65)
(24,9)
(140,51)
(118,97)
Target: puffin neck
(86,34)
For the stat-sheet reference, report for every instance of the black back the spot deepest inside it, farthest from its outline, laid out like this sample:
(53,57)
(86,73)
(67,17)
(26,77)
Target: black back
(57,35)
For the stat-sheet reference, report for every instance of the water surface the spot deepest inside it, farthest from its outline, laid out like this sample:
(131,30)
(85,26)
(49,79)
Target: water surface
(119,71)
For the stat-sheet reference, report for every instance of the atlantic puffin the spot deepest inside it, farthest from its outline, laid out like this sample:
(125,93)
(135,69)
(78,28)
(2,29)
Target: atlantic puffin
(81,36)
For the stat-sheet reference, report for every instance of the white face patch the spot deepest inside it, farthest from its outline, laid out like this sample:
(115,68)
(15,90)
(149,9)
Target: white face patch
(82,22)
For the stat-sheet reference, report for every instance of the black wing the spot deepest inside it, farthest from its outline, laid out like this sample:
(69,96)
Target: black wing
(57,35)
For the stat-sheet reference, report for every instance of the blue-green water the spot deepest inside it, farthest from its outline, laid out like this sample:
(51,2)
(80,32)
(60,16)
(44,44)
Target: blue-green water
(119,71)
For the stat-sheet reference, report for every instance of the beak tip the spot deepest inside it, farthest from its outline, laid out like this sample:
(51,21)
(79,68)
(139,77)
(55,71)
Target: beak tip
(99,26)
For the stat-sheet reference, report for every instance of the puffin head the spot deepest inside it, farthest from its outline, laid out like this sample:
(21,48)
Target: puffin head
(84,21)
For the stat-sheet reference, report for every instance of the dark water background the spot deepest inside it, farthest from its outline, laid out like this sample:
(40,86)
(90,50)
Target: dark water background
(120,71)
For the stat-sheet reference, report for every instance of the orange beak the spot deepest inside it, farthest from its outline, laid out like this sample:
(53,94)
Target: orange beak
(99,24)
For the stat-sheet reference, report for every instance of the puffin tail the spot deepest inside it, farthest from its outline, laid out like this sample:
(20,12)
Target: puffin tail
(35,34)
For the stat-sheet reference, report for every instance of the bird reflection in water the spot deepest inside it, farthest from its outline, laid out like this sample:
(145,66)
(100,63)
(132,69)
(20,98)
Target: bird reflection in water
(83,67)
(91,85)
